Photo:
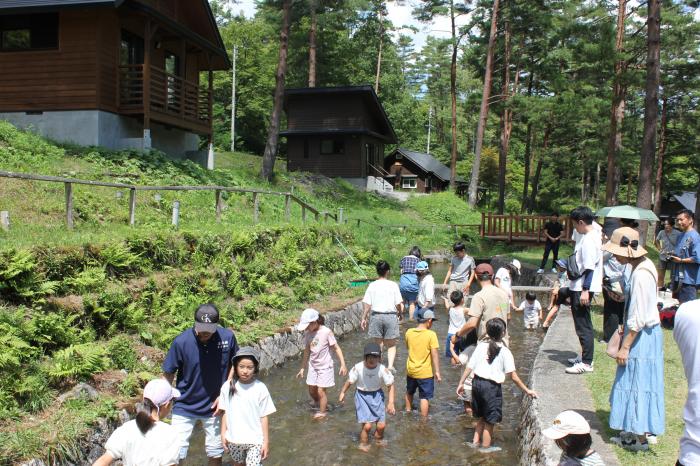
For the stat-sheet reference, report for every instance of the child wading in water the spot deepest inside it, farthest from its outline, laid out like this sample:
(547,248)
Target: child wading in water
(423,364)
(246,404)
(572,434)
(456,314)
(318,342)
(491,362)
(369,397)
(532,311)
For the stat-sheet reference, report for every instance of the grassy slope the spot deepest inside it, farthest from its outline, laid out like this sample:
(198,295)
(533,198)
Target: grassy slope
(37,216)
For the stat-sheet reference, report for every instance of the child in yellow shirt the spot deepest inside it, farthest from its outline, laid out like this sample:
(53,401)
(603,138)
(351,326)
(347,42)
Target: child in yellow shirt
(423,364)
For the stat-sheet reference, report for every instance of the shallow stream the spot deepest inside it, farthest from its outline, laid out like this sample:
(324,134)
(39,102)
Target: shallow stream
(295,438)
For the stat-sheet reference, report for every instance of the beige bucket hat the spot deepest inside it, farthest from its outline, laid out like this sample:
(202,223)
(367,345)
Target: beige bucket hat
(625,243)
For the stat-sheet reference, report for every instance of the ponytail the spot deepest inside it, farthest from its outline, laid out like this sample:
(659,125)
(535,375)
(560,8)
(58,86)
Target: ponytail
(144,421)
(495,329)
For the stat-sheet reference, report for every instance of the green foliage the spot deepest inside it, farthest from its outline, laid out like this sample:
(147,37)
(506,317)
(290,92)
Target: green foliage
(14,348)
(122,353)
(77,362)
(444,208)
(19,278)
(89,280)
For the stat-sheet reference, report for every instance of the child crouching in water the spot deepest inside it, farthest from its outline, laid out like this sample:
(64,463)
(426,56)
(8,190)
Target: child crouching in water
(246,403)
(318,342)
(369,397)
(491,362)
(571,432)
(532,311)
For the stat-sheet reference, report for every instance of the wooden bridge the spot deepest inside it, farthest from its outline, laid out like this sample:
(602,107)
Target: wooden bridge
(519,228)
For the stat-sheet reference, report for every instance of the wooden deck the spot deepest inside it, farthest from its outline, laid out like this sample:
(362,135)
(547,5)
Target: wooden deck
(513,228)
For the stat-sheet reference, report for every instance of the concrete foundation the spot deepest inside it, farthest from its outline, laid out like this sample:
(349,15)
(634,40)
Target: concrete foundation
(105,129)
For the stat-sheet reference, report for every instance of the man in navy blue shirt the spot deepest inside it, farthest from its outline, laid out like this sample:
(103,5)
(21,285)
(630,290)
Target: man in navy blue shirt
(686,275)
(201,357)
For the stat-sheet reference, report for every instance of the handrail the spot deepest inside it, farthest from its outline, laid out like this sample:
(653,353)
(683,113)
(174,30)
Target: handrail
(416,226)
(380,170)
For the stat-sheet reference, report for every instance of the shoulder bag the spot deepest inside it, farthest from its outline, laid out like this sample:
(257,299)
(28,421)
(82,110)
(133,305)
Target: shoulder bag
(572,269)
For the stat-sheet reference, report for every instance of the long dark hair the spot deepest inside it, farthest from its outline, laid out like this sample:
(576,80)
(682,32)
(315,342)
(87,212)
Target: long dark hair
(232,388)
(575,445)
(495,329)
(415,251)
(144,421)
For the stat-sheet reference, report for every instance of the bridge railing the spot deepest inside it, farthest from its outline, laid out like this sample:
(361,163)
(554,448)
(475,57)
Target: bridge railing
(514,227)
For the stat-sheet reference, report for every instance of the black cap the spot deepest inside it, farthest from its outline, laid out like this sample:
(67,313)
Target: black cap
(206,318)
(373,349)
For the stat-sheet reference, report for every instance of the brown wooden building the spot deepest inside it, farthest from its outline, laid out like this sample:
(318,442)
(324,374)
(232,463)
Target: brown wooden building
(113,73)
(337,131)
(419,172)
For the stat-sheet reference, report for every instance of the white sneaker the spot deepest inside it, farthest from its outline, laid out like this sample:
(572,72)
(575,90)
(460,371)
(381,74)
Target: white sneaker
(554,270)
(574,361)
(651,439)
(540,270)
(629,442)
(579,368)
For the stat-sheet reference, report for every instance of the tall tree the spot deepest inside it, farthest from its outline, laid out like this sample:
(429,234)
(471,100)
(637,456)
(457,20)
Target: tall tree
(484,110)
(268,163)
(312,42)
(660,156)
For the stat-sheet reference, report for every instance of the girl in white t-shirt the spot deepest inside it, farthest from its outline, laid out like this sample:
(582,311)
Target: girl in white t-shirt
(246,404)
(146,441)
(426,287)
(491,362)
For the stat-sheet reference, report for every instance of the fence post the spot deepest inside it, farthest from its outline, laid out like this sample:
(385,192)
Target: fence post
(303,214)
(176,214)
(5,220)
(340,215)
(482,228)
(256,207)
(316,216)
(510,228)
(132,206)
(286,207)
(358,223)
(219,205)
(69,205)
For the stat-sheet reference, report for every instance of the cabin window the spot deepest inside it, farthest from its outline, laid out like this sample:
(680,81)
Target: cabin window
(332,146)
(131,50)
(408,183)
(172,64)
(29,32)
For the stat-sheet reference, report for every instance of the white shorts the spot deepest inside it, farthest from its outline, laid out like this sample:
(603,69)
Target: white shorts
(212,431)
(531,321)
(320,378)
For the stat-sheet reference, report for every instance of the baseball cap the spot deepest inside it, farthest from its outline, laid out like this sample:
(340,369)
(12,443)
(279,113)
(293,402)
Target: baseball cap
(206,318)
(309,315)
(159,391)
(426,315)
(561,263)
(567,422)
(422,265)
(484,268)
(372,349)
(516,264)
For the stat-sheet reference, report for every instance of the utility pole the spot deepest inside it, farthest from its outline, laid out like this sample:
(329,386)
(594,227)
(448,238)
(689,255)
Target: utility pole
(430,114)
(233,100)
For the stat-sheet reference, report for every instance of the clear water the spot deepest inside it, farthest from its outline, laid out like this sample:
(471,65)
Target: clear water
(295,438)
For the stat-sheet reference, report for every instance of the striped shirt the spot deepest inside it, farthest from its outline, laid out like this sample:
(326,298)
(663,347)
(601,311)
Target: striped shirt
(592,459)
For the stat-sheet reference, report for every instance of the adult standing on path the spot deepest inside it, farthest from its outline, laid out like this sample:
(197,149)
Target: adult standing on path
(408,283)
(686,332)
(637,396)
(553,232)
(687,259)
(666,242)
(201,358)
(489,302)
(383,300)
(589,259)
(460,273)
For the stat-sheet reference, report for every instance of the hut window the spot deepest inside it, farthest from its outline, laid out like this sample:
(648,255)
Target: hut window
(29,32)
(408,183)
(131,49)
(332,146)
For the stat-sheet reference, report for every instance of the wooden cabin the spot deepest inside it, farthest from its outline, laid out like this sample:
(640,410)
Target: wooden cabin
(337,131)
(419,172)
(113,73)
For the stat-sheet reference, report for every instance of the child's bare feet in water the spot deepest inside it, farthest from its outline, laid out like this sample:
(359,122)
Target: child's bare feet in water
(364,447)
(320,415)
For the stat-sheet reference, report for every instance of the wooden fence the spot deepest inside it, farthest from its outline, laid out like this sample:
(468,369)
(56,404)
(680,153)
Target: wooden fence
(133,189)
(414,226)
(519,228)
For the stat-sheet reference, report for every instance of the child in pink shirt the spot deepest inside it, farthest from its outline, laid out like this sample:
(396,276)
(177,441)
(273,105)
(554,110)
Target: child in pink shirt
(318,342)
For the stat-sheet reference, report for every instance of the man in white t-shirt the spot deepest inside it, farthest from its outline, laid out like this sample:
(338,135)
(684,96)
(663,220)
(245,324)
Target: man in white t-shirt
(589,258)
(686,332)
(383,299)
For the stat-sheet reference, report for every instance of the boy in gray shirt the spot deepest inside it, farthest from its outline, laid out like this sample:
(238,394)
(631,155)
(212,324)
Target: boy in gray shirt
(460,273)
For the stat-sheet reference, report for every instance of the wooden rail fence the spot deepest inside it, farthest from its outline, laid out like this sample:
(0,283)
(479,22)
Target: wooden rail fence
(218,191)
(519,228)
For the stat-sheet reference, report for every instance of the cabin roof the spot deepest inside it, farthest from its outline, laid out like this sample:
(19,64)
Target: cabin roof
(427,163)
(217,47)
(365,92)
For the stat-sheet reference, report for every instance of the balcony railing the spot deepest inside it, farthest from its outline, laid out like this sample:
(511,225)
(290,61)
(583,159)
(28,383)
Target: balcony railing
(169,95)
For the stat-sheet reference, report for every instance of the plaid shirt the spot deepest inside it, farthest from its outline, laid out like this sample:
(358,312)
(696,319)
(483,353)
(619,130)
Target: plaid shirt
(408,264)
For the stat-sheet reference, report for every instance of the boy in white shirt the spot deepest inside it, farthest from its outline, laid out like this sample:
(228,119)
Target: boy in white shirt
(532,311)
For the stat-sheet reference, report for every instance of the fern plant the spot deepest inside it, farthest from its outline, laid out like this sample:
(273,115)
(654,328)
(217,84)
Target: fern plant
(77,362)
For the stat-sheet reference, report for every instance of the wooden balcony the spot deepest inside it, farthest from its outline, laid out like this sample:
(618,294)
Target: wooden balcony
(165,98)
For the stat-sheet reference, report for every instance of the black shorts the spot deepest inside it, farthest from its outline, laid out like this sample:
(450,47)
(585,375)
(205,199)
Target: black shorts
(487,400)
(563,296)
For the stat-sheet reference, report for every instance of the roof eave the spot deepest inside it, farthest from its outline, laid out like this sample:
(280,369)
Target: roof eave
(58,6)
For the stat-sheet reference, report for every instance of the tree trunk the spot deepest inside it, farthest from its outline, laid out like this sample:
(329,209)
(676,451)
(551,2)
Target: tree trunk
(651,111)
(528,155)
(453,98)
(538,170)
(484,111)
(379,53)
(596,185)
(270,153)
(312,44)
(658,185)
(504,130)
(617,112)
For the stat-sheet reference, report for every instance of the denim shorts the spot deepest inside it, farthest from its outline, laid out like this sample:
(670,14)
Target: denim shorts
(184,425)
(425,387)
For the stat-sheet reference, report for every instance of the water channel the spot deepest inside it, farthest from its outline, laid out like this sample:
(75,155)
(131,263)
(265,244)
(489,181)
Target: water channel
(295,438)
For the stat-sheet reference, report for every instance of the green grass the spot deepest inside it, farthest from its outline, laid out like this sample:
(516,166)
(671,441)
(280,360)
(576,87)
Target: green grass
(675,392)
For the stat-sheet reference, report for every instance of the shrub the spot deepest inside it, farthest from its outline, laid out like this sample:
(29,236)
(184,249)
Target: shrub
(121,351)
(77,362)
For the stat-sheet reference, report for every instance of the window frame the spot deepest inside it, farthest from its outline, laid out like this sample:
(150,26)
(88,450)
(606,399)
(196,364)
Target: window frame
(30,23)
(410,179)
